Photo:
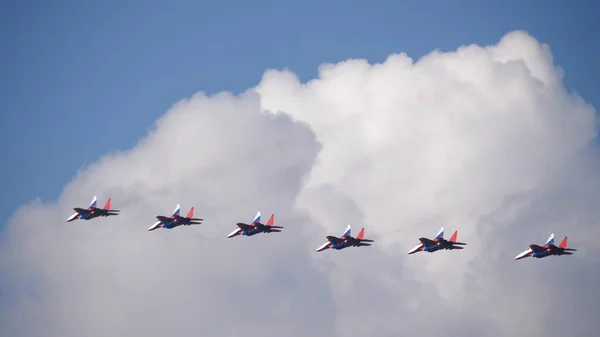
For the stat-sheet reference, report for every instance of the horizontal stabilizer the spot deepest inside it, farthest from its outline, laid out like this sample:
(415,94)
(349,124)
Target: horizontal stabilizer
(570,249)
(275,230)
(459,243)
(363,244)
(367,240)
(276,226)
(197,219)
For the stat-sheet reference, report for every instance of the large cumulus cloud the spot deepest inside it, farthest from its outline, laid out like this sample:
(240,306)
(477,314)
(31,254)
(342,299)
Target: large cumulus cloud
(485,140)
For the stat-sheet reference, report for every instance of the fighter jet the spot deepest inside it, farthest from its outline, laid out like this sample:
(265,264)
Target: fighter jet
(255,227)
(548,249)
(345,241)
(438,243)
(92,211)
(175,220)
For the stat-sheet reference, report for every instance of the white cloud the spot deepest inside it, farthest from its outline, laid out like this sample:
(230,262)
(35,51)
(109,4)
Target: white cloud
(484,140)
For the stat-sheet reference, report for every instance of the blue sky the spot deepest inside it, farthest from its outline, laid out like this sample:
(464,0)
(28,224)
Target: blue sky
(81,79)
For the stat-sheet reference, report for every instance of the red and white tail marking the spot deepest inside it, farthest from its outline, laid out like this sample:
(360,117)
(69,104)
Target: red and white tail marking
(107,205)
(454,236)
(190,213)
(563,243)
(361,234)
(271,220)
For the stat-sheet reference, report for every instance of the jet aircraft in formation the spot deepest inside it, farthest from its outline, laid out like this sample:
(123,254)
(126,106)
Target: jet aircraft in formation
(438,243)
(345,241)
(92,211)
(333,242)
(175,220)
(549,249)
(255,227)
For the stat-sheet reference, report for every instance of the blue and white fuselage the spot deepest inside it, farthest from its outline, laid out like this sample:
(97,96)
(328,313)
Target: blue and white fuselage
(438,243)
(176,220)
(549,249)
(345,241)
(255,227)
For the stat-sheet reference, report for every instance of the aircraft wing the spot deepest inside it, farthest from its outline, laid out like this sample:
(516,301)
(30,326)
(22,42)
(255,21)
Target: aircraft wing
(537,249)
(164,218)
(82,210)
(333,239)
(244,226)
(427,242)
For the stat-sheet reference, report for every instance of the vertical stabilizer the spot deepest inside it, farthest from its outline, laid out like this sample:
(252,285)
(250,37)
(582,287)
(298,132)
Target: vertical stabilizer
(177,210)
(190,213)
(563,243)
(440,234)
(348,231)
(454,236)
(550,240)
(257,217)
(361,234)
(107,205)
(94,202)
(271,220)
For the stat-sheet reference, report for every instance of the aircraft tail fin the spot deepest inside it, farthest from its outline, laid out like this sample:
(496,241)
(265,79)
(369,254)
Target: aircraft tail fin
(107,205)
(440,234)
(271,220)
(361,234)
(190,213)
(563,243)
(94,202)
(257,217)
(348,231)
(550,240)
(177,210)
(454,236)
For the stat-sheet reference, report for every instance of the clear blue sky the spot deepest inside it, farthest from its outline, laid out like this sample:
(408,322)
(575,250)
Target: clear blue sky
(82,78)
